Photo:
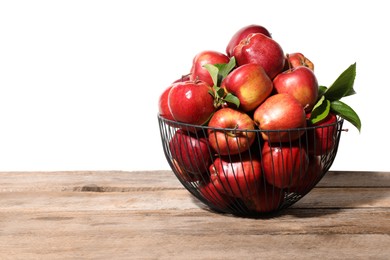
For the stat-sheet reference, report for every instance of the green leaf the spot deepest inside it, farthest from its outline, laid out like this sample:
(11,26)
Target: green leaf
(226,68)
(232,99)
(219,71)
(213,70)
(343,85)
(220,92)
(321,90)
(320,110)
(351,92)
(346,112)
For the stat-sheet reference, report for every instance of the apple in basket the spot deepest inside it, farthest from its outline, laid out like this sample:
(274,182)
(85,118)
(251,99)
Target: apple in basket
(263,50)
(190,151)
(250,84)
(310,177)
(284,164)
(280,112)
(183,174)
(199,72)
(218,200)
(190,102)
(230,131)
(297,59)
(321,140)
(237,176)
(242,34)
(163,107)
(301,83)
(267,199)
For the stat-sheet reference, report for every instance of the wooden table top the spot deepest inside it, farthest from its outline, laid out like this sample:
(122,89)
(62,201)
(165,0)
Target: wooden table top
(149,215)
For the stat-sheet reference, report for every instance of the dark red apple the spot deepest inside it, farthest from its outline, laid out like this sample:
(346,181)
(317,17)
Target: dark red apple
(237,138)
(199,72)
(279,116)
(321,140)
(190,102)
(310,178)
(284,164)
(250,84)
(266,200)
(218,200)
(301,83)
(263,50)
(191,152)
(243,33)
(236,176)
(297,59)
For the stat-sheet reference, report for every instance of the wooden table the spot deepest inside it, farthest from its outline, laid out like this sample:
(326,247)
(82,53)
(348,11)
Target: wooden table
(149,215)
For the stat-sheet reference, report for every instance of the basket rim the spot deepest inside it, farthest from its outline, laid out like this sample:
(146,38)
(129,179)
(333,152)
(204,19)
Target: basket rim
(339,120)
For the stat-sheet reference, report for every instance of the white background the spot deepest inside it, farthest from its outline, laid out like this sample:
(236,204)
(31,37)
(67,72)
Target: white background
(80,80)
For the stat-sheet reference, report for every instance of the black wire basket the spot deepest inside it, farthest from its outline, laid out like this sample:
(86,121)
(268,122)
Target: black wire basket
(241,172)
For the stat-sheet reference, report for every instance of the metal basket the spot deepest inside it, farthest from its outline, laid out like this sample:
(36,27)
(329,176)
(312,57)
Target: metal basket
(244,172)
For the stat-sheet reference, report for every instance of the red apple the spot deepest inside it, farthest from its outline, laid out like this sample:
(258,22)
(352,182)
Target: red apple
(266,200)
(297,59)
(310,178)
(199,72)
(301,83)
(243,33)
(218,200)
(190,151)
(163,107)
(321,140)
(236,139)
(184,175)
(263,50)
(250,84)
(236,176)
(284,164)
(279,116)
(190,102)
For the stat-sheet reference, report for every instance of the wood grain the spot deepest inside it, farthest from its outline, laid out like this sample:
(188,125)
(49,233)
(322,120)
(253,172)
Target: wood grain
(149,215)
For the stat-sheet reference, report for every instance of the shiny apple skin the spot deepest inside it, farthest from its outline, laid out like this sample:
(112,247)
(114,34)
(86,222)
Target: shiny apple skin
(301,83)
(190,102)
(243,33)
(250,84)
(284,164)
(280,117)
(235,139)
(236,176)
(199,72)
(263,50)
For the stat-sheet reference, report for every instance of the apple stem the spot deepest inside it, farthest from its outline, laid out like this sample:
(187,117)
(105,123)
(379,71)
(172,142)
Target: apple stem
(218,98)
(233,132)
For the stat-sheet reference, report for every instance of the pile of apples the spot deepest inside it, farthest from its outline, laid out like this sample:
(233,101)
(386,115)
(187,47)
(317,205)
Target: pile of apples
(241,121)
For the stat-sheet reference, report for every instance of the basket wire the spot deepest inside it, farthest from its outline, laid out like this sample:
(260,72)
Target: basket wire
(256,181)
